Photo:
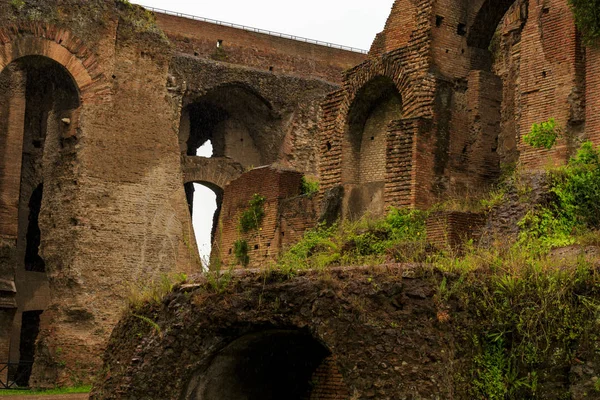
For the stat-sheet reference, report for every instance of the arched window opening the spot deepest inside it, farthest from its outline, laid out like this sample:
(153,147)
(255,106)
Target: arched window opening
(269,365)
(239,124)
(204,202)
(377,104)
(33,261)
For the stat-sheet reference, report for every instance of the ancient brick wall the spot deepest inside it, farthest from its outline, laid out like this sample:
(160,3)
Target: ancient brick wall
(111,175)
(264,243)
(451,229)
(258,50)
(296,216)
(328,383)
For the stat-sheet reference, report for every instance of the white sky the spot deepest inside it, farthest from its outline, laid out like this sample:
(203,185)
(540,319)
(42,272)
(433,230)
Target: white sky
(347,22)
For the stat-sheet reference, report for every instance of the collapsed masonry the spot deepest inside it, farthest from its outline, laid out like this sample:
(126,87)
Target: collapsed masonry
(104,105)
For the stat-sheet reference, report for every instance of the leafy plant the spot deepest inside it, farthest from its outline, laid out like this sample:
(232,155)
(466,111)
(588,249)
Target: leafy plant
(253,216)
(240,250)
(310,186)
(543,135)
(574,208)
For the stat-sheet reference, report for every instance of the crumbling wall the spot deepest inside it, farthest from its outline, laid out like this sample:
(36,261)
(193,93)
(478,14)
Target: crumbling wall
(104,197)
(286,215)
(390,332)
(381,330)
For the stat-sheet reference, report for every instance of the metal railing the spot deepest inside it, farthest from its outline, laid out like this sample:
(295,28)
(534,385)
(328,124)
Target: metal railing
(256,30)
(15,375)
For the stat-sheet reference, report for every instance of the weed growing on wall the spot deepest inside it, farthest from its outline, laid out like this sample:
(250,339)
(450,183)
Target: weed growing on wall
(152,291)
(587,19)
(253,216)
(360,242)
(310,186)
(240,250)
(543,135)
(575,205)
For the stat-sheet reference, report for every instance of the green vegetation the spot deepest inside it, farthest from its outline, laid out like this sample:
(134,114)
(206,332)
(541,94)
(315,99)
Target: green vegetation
(154,290)
(543,135)
(310,186)
(66,390)
(574,207)
(253,216)
(587,19)
(240,250)
(527,312)
(360,242)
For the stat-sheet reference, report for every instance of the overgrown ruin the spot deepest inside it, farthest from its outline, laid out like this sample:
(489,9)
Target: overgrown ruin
(103,106)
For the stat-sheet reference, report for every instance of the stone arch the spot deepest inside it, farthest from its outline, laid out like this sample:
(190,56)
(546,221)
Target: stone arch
(487,17)
(238,121)
(267,364)
(56,44)
(40,100)
(213,173)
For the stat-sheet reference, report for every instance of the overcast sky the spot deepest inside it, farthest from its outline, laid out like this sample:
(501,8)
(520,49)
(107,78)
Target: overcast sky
(351,23)
(348,22)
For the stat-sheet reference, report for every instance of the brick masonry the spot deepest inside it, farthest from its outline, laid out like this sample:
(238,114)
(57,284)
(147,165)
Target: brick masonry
(286,216)
(447,92)
(450,229)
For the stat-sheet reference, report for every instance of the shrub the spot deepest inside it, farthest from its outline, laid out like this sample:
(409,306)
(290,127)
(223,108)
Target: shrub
(253,216)
(575,205)
(310,186)
(543,135)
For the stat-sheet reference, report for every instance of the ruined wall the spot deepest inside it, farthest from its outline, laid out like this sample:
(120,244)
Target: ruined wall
(380,328)
(111,180)
(286,216)
(387,330)
(257,50)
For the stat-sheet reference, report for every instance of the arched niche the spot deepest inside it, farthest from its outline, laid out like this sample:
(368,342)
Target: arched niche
(266,365)
(240,124)
(376,105)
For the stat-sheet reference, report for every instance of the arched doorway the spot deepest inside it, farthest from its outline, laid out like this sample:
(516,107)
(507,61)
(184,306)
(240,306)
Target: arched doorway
(37,119)
(364,157)
(266,365)
(231,124)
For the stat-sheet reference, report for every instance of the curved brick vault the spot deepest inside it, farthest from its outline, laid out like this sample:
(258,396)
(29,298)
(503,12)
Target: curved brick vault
(377,332)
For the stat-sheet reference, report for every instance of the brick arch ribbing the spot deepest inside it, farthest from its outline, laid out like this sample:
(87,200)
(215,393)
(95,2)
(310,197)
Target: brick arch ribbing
(58,44)
(414,84)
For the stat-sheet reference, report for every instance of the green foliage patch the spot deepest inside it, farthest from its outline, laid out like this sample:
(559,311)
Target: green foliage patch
(543,135)
(240,250)
(253,216)
(310,186)
(574,207)
(359,242)
(530,312)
